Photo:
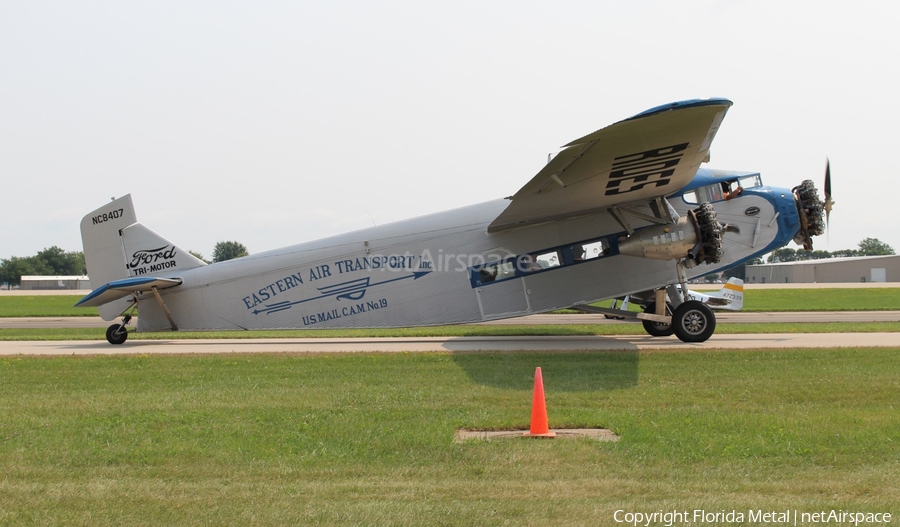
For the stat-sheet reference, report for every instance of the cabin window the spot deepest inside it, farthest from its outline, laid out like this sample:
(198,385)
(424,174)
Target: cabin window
(497,271)
(540,261)
(590,250)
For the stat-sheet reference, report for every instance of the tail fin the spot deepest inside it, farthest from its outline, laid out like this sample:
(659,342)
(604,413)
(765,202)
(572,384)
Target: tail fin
(148,253)
(116,247)
(102,241)
(733,293)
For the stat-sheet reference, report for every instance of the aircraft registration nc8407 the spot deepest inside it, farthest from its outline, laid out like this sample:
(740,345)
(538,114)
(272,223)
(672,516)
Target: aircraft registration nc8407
(625,210)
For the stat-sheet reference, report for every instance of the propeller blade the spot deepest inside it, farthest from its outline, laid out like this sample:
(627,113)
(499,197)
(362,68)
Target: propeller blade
(829,203)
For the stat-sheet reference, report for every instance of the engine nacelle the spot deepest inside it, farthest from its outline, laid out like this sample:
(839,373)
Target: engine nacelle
(696,238)
(662,242)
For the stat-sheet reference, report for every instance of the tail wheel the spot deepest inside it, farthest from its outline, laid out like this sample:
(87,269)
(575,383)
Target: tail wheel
(657,329)
(116,334)
(693,321)
(711,232)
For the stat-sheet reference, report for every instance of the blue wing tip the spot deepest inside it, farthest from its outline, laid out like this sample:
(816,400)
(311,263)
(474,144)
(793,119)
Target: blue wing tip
(125,282)
(690,103)
(93,294)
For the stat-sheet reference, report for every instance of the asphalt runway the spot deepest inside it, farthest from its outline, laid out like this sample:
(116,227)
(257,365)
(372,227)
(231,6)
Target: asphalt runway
(463,344)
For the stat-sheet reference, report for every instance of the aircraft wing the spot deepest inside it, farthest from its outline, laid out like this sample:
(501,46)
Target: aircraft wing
(650,155)
(121,288)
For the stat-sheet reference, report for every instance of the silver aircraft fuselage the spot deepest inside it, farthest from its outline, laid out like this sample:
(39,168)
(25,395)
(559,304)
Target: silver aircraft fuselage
(445,268)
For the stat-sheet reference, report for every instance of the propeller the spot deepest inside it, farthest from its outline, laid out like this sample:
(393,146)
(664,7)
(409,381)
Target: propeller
(829,203)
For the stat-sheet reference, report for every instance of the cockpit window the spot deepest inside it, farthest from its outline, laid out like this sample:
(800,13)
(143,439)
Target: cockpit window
(750,181)
(709,193)
(723,189)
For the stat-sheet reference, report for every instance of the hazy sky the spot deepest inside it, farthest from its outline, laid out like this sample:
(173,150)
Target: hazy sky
(272,123)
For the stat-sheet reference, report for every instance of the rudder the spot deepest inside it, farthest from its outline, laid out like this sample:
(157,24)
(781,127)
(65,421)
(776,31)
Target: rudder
(104,254)
(116,247)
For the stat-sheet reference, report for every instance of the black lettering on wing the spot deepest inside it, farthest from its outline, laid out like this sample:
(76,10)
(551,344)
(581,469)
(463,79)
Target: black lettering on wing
(655,167)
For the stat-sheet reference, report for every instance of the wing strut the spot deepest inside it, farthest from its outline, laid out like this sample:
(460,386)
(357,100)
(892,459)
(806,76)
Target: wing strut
(663,214)
(118,333)
(162,305)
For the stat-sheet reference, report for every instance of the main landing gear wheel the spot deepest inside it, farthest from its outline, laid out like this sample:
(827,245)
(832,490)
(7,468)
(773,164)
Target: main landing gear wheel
(693,321)
(657,329)
(116,334)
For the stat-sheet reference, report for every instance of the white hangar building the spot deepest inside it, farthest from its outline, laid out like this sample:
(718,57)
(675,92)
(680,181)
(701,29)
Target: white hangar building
(54,282)
(828,270)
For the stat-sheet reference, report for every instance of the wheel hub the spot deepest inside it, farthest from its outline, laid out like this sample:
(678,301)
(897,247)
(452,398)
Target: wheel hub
(694,322)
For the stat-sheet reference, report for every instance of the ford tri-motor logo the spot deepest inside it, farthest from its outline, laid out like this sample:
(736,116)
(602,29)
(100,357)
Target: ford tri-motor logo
(752,211)
(157,259)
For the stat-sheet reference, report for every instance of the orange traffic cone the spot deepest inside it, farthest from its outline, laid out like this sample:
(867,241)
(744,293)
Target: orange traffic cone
(539,425)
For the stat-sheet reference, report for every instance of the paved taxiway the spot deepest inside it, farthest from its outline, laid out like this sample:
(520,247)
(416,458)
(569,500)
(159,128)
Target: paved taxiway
(451,344)
(457,344)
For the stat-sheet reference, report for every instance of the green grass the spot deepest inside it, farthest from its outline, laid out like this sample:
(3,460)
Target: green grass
(366,439)
(43,306)
(866,299)
(447,331)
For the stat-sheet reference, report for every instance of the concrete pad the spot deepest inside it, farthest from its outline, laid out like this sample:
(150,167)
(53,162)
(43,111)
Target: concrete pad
(597,434)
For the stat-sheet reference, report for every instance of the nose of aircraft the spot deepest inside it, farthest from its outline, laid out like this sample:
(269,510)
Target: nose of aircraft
(811,210)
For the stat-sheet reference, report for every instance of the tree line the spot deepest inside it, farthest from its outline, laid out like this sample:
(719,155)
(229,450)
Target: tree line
(867,247)
(54,261)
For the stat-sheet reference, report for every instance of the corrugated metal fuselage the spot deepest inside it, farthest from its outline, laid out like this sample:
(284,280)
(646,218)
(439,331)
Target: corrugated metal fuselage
(423,271)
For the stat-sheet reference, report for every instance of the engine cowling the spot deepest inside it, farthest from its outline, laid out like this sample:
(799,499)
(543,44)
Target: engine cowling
(811,211)
(695,238)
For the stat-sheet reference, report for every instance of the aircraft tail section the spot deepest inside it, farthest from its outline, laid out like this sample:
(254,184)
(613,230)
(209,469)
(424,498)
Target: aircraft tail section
(102,241)
(117,247)
(149,254)
(731,296)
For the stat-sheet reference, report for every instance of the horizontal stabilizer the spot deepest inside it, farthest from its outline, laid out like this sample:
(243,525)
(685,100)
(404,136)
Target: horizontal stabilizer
(121,288)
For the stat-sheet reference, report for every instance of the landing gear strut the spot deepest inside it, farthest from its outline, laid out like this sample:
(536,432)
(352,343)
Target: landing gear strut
(658,329)
(689,240)
(118,333)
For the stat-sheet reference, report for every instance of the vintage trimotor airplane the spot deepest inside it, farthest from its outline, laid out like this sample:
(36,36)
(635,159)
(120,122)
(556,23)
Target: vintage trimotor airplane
(624,210)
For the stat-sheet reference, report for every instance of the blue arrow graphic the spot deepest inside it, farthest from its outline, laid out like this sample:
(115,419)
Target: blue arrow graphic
(351,290)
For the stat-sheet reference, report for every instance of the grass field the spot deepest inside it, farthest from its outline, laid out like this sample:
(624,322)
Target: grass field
(876,299)
(367,439)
